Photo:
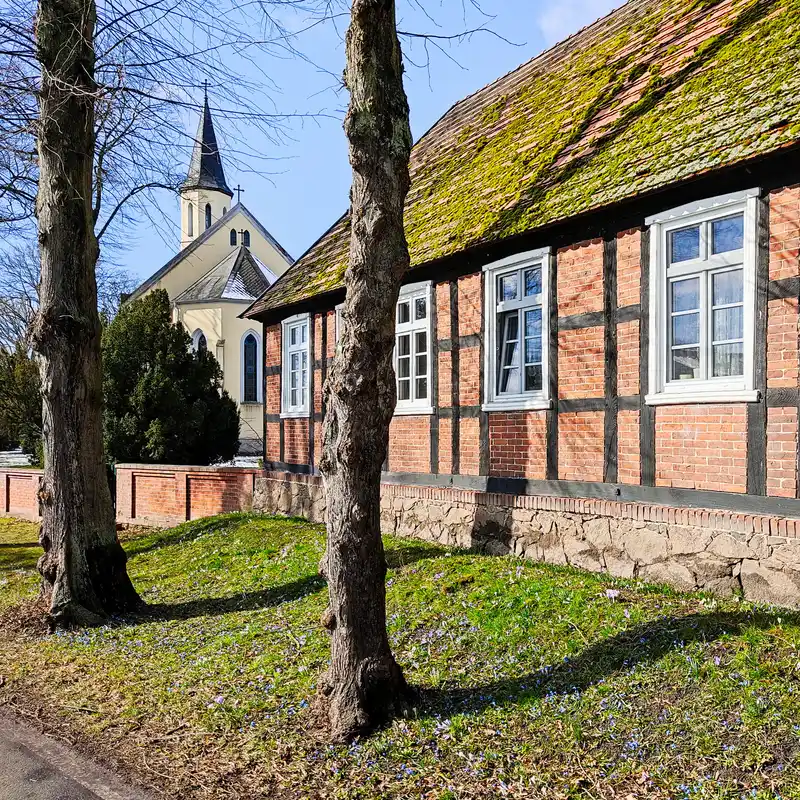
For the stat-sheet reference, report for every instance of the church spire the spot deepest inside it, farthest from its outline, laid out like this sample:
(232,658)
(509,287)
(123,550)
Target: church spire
(205,168)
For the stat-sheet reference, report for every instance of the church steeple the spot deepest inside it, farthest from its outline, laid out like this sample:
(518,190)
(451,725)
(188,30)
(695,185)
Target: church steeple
(205,168)
(205,194)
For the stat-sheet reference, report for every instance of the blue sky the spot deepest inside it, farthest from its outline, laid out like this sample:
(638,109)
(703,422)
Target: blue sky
(300,184)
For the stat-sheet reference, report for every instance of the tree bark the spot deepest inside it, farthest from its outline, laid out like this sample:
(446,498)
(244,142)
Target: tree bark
(83,567)
(365,686)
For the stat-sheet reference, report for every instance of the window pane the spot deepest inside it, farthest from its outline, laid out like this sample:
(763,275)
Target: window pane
(686,294)
(293,397)
(305,360)
(420,308)
(302,397)
(533,322)
(533,350)
(728,359)
(422,364)
(510,324)
(685,244)
(292,335)
(511,354)
(303,333)
(509,381)
(404,390)
(422,388)
(728,287)
(421,342)
(727,234)
(403,313)
(686,329)
(533,378)
(294,360)
(508,287)
(403,345)
(728,323)
(533,281)
(686,363)
(404,367)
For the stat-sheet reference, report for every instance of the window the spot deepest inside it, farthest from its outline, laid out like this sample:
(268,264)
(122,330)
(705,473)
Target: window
(250,368)
(703,274)
(233,236)
(199,342)
(190,219)
(224,211)
(295,366)
(208,215)
(246,238)
(412,350)
(516,318)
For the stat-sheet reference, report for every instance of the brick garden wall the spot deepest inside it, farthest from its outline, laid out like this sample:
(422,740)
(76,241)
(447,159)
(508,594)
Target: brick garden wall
(19,493)
(164,495)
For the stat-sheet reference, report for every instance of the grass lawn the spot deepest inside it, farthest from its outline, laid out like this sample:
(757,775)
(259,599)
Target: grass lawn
(535,681)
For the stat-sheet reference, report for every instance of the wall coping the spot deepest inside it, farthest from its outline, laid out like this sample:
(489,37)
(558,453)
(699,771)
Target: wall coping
(188,468)
(21,471)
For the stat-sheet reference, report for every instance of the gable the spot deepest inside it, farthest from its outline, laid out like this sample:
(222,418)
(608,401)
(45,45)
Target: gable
(210,248)
(654,93)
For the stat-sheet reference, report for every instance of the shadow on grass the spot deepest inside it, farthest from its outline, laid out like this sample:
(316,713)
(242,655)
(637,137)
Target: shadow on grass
(181,534)
(216,606)
(641,644)
(12,545)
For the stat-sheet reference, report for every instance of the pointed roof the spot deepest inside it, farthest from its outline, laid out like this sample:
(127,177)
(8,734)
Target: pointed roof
(205,168)
(239,276)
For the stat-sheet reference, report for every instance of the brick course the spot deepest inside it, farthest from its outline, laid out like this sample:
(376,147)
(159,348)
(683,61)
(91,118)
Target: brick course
(517,444)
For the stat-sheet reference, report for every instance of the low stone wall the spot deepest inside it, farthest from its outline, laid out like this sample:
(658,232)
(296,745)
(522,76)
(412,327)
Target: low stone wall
(718,551)
(164,495)
(19,493)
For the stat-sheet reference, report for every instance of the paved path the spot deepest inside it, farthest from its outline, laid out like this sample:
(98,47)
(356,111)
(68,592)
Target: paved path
(36,767)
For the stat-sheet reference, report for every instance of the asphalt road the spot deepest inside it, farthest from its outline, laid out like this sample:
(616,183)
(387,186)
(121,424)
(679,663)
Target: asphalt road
(36,767)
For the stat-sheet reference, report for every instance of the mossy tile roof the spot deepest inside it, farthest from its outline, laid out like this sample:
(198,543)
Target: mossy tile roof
(656,92)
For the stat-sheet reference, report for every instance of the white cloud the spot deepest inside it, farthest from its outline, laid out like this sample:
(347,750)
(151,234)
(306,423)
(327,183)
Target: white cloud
(561,18)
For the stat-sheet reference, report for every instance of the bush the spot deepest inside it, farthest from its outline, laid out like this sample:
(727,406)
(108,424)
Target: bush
(164,403)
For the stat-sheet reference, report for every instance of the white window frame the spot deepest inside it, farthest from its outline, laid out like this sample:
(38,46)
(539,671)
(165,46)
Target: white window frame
(301,409)
(259,373)
(661,390)
(409,294)
(521,401)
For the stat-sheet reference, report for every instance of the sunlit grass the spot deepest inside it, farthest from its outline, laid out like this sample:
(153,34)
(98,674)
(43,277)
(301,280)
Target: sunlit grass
(534,680)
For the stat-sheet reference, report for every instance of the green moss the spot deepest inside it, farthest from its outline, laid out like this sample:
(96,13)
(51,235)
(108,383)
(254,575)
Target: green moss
(566,137)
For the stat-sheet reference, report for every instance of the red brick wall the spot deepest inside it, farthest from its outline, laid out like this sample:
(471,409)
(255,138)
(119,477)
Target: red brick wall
(702,447)
(697,446)
(782,452)
(580,446)
(295,440)
(19,493)
(517,444)
(166,495)
(580,278)
(410,444)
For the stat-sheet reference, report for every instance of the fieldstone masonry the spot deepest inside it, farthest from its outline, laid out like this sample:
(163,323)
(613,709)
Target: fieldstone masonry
(718,551)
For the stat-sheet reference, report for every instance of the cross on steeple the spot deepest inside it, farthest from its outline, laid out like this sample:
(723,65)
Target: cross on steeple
(239,192)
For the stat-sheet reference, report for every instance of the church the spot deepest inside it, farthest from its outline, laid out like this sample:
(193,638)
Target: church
(227,259)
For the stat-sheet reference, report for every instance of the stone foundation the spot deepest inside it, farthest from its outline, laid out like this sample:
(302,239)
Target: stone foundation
(718,551)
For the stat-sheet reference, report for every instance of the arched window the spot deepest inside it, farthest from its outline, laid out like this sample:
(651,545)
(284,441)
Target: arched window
(208,215)
(199,342)
(246,238)
(233,236)
(250,369)
(190,219)
(224,211)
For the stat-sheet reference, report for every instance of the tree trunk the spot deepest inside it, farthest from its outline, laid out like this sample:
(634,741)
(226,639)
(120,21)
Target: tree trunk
(83,566)
(365,686)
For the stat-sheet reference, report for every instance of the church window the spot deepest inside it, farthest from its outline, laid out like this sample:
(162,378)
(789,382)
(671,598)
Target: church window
(233,236)
(190,219)
(199,342)
(250,369)
(224,211)
(208,215)
(246,238)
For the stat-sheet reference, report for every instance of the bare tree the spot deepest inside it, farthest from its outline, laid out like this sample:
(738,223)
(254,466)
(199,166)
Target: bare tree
(364,685)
